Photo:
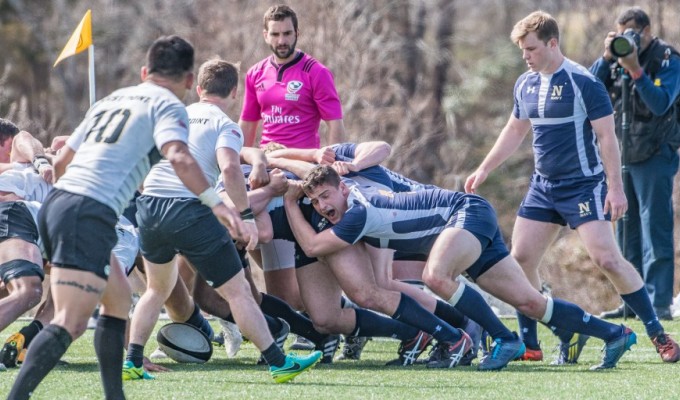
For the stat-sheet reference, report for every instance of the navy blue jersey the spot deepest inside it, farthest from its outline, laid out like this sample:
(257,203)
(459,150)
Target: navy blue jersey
(377,174)
(560,107)
(409,221)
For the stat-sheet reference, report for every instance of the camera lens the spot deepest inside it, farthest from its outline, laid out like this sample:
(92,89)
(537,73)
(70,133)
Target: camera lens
(622,45)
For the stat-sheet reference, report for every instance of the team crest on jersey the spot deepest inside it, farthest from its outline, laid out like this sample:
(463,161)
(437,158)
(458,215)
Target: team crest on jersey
(322,224)
(584,209)
(556,92)
(292,89)
(531,89)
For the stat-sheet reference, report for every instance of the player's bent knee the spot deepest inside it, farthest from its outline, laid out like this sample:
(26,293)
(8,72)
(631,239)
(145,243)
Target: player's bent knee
(326,325)
(435,282)
(532,308)
(612,265)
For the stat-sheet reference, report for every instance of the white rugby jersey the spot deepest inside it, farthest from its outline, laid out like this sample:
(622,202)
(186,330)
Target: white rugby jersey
(119,140)
(210,129)
(25,182)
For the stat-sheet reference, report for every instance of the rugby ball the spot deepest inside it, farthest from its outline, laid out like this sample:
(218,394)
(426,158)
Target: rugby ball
(184,343)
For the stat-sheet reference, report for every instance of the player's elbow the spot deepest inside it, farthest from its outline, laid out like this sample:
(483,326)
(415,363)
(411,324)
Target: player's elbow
(315,250)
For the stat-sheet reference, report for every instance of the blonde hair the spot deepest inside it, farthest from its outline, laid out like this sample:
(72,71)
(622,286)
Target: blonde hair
(540,22)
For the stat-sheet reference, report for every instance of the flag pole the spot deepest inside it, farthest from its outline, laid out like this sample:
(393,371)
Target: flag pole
(90,57)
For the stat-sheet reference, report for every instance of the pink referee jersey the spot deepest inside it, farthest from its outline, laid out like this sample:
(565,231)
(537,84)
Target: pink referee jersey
(291,100)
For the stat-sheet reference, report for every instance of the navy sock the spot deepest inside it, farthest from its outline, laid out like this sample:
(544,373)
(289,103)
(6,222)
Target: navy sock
(564,335)
(47,348)
(274,356)
(412,313)
(448,313)
(135,354)
(369,323)
(639,302)
(299,324)
(109,340)
(528,331)
(198,320)
(569,316)
(472,304)
(30,331)
(274,324)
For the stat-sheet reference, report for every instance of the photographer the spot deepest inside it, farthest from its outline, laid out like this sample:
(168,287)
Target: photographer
(652,69)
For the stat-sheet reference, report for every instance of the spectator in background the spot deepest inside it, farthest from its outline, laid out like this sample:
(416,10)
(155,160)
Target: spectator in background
(651,158)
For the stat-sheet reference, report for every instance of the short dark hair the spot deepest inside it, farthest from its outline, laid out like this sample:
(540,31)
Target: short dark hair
(170,56)
(218,77)
(320,175)
(640,17)
(7,130)
(280,12)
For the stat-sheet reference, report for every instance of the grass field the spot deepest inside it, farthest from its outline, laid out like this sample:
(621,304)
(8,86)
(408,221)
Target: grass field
(640,375)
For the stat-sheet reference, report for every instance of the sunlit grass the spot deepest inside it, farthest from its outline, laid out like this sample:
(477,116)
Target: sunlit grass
(640,375)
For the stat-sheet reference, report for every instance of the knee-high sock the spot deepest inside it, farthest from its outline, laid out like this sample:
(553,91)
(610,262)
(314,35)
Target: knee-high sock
(450,314)
(528,331)
(412,313)
(299,324)
(369,323)
(109,339)
(472,304)
(198,320)
(570,317)
(639,302)
(45,351)
(30,331)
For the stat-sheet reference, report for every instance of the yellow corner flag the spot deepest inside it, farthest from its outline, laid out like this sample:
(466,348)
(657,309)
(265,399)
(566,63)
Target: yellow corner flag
(80,40)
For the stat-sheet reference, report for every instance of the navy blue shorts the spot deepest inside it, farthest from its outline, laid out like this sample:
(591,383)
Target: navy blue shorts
(78,232)
(567,201)
(170,226)
(478,217)
(283,231)
(17,222)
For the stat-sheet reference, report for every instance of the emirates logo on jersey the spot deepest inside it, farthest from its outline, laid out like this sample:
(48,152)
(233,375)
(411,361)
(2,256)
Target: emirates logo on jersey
(292,88)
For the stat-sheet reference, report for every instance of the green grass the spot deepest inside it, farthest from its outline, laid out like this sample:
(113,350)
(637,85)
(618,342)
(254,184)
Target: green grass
(640,375)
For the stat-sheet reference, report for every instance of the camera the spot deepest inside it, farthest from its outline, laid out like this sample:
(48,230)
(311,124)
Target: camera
(624,44)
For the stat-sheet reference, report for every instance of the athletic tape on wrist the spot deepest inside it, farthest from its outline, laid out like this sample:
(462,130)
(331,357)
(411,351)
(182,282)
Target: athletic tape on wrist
(209,198)
(40,161)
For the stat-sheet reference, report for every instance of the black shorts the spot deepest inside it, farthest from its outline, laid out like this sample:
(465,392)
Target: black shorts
(17,222)
(401,256)
(170,226)
(282,230)
(78,232)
